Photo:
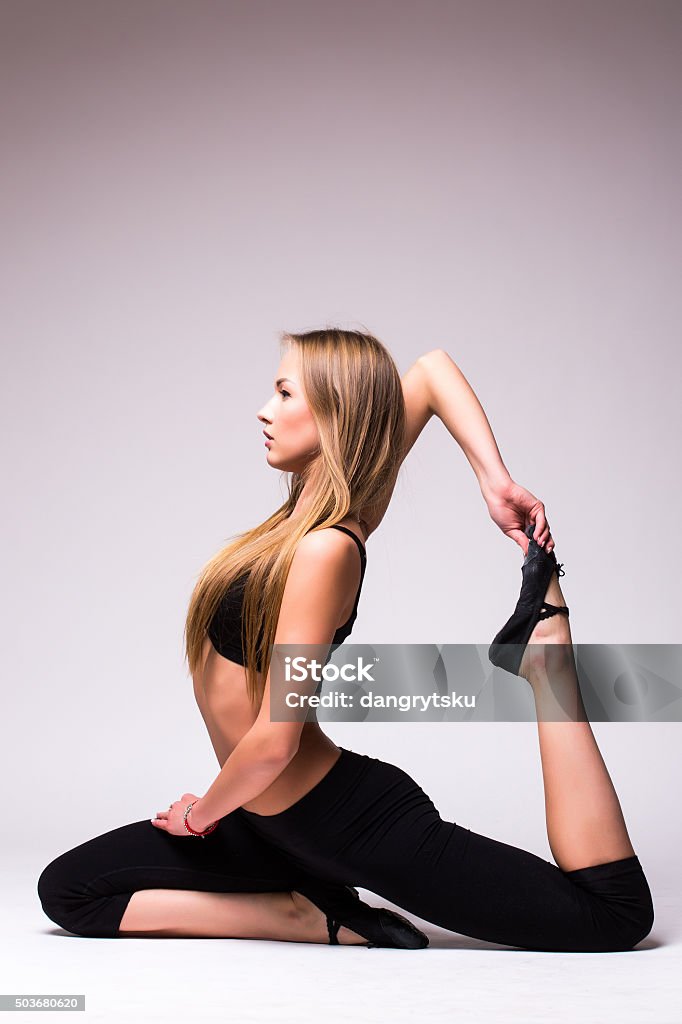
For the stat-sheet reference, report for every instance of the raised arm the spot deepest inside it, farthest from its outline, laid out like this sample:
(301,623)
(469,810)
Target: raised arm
(322,574)
(452,399)
(435,386)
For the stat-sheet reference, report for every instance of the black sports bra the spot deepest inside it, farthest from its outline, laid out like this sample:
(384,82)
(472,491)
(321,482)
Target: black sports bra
(226,627)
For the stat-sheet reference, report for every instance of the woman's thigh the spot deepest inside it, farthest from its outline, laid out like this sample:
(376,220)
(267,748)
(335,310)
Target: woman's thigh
(87,889)
(478,886)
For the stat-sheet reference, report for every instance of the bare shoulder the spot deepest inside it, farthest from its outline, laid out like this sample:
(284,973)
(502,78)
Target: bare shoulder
(320,586)
(334,549)
(326,560)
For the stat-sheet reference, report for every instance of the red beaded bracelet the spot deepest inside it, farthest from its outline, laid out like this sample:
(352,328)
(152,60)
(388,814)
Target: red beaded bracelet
(189,828)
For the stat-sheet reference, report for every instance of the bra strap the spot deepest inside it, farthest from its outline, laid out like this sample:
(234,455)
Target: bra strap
(337,526)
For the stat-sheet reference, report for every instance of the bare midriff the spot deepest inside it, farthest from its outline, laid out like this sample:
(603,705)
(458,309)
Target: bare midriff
(220,692)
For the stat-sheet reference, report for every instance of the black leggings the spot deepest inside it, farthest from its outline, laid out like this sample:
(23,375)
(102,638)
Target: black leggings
(366,823)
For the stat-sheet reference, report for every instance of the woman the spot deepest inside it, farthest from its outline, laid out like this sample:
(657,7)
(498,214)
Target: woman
(341,422)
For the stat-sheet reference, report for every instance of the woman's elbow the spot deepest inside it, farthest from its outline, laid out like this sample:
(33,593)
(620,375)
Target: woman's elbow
(275,751)
(434,355)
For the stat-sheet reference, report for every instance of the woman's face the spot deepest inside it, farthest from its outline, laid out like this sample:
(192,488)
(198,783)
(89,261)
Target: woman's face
(288,420)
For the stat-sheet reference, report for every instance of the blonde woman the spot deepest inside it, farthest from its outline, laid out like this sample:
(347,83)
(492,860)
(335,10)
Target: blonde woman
(290,808)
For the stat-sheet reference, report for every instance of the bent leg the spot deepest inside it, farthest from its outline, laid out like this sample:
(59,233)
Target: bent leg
(479,886)
(369,820)
(191,913)
(87,889)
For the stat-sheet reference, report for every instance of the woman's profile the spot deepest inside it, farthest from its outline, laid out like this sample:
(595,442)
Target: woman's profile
(292,821)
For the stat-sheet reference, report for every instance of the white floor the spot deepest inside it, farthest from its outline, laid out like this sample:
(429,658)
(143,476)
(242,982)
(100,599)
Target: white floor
(239,980)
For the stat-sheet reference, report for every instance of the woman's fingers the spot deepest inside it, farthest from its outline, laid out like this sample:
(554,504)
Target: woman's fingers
(548,540)
(540,525)
(542,534)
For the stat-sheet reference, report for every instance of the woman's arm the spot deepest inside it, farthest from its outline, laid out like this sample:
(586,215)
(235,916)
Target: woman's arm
(452,399)
(434,385)
(510,505)
(322,574)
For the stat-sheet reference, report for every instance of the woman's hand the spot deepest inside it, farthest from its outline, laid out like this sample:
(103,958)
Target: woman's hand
(172,820)
(512,507)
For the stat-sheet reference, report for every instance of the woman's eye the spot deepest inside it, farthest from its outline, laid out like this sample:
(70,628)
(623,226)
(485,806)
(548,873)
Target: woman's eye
(283,392)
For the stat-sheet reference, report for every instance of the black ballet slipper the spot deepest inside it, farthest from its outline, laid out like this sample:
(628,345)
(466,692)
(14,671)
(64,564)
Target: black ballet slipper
(506,650)
(343,907)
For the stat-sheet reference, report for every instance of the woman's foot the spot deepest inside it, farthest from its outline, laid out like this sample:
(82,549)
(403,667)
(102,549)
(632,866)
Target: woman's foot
(553,630)
(549,665)
(510,643)
(314,924)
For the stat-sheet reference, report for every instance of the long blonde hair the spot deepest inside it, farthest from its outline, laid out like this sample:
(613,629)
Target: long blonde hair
(354,392)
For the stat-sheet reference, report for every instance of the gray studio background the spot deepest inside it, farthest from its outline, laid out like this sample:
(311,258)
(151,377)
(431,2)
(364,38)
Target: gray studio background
(182,181)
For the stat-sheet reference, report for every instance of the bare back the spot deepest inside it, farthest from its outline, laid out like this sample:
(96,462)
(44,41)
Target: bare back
(220,692)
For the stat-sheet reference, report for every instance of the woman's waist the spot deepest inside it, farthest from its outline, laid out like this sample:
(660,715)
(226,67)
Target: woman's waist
(315,757)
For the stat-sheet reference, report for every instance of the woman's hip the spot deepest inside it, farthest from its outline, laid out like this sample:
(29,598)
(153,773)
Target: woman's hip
(360,812)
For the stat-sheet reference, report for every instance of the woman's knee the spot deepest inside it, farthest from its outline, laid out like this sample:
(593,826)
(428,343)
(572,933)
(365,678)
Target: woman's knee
(644,925)
(625,937)
(65,899)
(55,890)
(641,915)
